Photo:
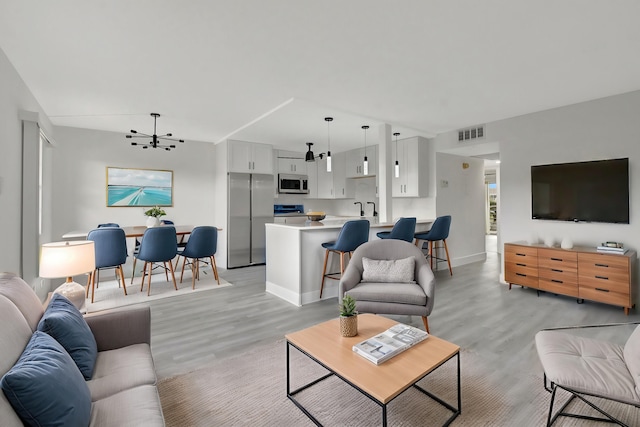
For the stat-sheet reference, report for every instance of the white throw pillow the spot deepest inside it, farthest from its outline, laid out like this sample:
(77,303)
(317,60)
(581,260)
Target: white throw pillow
(394,271)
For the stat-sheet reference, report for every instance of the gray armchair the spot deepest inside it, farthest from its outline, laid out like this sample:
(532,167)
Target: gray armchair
(388,297)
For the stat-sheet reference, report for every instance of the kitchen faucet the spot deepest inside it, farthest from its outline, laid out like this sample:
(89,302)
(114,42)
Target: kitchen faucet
(361,210)
(374,208)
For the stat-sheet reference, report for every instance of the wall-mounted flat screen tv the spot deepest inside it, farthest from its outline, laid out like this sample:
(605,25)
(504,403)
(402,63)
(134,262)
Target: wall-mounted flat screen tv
(596,191)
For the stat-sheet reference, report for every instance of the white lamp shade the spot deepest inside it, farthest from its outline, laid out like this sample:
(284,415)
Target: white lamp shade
(329,162)
(67,259)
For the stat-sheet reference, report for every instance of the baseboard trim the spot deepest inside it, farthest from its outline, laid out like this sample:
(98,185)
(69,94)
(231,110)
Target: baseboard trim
(285,294)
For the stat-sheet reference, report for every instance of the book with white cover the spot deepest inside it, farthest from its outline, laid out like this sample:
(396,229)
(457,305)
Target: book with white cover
(391,342)
(612,250)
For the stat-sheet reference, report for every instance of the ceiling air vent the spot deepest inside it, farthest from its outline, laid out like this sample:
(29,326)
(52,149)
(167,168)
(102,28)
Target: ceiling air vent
(471,133)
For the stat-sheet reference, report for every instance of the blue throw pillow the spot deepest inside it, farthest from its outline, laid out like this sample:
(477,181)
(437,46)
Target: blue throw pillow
(65,323)
(45,387)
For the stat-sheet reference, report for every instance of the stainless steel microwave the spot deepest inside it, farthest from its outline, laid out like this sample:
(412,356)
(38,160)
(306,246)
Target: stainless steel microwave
(293,184)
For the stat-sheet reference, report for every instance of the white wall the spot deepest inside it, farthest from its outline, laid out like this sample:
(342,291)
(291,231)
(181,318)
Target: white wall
(462,197)
(79,180)
(601,129)
(15,97)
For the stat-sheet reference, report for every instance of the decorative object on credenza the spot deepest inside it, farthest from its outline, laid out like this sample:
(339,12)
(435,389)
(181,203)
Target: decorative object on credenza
(348,317)
(68,259)
(153,216)
(155,139)
(309,156)
(139,187)
(611,247)
(548,241)
(566,243)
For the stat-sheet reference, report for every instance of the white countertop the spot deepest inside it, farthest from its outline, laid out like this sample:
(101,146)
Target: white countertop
(337,222)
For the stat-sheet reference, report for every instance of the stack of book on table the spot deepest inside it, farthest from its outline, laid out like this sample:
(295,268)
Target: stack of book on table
(612,248)
(391,342)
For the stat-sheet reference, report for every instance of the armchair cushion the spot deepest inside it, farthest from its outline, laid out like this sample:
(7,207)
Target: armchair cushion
(400,293)
(65,324)
(586,365)
(45,387)
(632,357)
(388,271)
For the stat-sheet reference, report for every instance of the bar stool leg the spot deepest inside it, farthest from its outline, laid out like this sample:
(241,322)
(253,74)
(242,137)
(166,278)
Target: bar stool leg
(431,253)
(446,249)
(324,270)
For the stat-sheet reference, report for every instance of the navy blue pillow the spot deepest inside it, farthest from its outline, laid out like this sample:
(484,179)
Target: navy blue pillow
(65,323)
(45,387)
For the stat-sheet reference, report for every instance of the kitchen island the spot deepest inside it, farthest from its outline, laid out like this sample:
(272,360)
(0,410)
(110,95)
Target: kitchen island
(295,257)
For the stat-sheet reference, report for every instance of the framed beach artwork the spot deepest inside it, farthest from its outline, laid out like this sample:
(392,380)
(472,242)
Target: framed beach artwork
(139,187)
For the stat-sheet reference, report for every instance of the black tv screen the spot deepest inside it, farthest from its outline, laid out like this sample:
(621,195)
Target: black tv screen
(596,191)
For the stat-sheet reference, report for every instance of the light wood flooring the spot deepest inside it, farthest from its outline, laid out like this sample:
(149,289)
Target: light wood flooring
(472,309)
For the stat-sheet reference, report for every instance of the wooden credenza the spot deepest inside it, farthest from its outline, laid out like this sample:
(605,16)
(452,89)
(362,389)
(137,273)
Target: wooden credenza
(580,272)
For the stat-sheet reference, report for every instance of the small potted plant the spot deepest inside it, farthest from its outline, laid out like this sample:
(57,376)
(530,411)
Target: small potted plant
(348,317)
(153,216)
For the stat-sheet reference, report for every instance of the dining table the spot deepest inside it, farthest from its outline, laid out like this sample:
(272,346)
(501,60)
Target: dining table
(130,231)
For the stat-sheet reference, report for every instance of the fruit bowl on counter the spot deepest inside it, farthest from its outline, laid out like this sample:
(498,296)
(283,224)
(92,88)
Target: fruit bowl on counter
(316,216)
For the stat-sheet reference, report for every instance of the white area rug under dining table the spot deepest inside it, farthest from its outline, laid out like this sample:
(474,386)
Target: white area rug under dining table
(110,295)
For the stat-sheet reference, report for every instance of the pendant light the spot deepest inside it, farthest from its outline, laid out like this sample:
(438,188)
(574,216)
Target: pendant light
(328,120)
(397,167)
(365,165)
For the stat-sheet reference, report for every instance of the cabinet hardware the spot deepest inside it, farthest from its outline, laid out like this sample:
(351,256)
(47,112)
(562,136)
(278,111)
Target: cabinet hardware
(556,259)
(520,274)
(521,264)
(556,270)
(602,265)
(556,281)
(602,277)
(602,290)
(521,254)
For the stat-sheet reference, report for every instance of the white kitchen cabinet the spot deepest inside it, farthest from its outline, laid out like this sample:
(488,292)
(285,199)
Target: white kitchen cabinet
(250,157)
(355,162)
(290,162)
(312,180)
(333,185)
(413,158)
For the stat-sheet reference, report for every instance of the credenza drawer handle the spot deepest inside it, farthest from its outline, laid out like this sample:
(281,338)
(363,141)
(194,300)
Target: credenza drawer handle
(520,264)
(520,274)
(602,277)
(602,290)
(557,281)
(556,270)
(556,259)
(602,265)
(521,254)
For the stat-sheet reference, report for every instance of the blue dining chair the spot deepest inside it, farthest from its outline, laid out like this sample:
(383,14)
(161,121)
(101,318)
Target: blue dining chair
(158,244)
(202,243)
(403,229)
(352,234)
(111,252)
(109,224)
(181,243)
(439,231)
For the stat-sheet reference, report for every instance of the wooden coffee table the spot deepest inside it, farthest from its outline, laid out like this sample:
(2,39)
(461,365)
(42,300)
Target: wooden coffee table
(380,383)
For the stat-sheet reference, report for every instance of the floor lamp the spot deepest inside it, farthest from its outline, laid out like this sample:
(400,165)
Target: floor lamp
(68,259)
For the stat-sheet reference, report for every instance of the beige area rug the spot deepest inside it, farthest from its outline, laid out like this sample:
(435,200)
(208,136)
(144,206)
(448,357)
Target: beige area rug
(250,389)
(109,295)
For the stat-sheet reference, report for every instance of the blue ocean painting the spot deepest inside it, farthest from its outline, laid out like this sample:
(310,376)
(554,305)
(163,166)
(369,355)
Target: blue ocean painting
(139,187)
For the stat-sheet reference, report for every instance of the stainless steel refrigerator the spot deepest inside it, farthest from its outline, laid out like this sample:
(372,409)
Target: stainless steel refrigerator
(250,208)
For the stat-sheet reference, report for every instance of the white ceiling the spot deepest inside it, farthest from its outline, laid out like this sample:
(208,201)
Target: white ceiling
(270,71)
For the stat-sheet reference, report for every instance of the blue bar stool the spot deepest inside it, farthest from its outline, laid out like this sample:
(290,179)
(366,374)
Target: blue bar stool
(439,231)
(403,229)
(352,234)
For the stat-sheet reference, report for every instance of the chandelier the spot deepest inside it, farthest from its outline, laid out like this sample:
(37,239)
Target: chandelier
(155,139)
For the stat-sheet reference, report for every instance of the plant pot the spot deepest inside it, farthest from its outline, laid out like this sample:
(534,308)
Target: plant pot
(152,221)
(349,326)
